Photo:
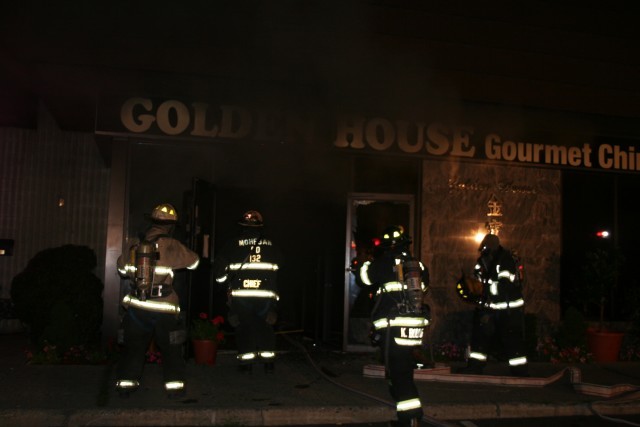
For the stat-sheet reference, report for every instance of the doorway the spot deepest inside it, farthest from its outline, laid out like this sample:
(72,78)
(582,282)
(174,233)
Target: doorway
(368,214)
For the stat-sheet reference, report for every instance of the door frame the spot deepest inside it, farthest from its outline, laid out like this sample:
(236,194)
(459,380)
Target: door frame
(354,200)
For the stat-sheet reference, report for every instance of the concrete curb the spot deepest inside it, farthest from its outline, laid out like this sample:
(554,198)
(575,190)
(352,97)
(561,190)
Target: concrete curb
(197,417)
(302,415)
(453,412)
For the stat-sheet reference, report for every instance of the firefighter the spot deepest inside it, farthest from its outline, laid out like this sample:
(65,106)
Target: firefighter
(152,307)
(398,317)
(499,310)
(247,266)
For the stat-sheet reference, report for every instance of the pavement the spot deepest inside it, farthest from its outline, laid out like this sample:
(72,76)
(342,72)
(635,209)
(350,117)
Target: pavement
(310,386)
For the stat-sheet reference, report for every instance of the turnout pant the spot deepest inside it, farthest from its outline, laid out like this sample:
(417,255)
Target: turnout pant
(255,337)
(501,327)
(400,364)
(168,330)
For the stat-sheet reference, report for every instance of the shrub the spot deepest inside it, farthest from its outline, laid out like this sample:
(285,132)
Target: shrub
(59,298)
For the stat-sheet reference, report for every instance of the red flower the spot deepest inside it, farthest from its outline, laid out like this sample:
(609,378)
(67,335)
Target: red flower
(207,329)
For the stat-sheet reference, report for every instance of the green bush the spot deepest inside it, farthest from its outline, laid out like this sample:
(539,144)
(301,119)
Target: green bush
(59,298)
(572,332)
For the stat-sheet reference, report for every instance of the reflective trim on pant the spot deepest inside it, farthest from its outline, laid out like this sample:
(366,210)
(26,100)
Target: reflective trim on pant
(139,328)
(247,356)
(408,405)
(173,385)
(267,354)
(253,334)
(517,361)
(478,356)
(127,384)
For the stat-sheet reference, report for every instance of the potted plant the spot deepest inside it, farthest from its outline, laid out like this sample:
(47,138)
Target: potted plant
(206,333)
(599,283)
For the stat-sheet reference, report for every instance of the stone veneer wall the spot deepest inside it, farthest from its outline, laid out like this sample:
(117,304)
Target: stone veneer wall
(455,205)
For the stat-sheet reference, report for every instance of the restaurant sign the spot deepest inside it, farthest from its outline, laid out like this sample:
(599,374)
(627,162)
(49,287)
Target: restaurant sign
(178,119)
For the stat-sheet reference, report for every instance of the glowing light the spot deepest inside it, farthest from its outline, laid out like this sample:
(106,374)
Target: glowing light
(603,234)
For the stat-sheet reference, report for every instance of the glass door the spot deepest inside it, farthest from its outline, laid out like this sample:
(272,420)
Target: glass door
(368,214)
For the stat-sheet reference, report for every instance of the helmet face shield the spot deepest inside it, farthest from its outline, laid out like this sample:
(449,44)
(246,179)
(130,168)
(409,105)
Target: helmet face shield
(251,219)
(164,213)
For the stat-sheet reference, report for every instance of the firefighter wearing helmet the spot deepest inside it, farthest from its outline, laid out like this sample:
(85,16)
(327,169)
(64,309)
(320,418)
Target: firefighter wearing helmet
(152,307)
(398,317)
(499,309)
(247,266)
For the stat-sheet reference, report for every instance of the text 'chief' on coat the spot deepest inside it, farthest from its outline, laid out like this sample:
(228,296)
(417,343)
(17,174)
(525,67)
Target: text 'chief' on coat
(248,266)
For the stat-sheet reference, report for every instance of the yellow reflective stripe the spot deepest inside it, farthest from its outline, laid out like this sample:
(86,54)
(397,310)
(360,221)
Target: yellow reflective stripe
(506,305)
(129,268)
(507,275)
(254,293)
(267,354)
(393,286)
(253,266)
(412,322)
(493,287)
(478,356)
(159,306)
(127,384)
(246,356)
(364,273)
(222,279)
(408,341)
(194,265)
(380,323)
(164,271)
(518,361)
(408,405)
(174,385)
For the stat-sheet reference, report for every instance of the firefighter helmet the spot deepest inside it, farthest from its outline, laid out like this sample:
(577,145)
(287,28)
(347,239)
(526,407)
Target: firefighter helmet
(394,236)
(251,219)
(165,213)
(489,243)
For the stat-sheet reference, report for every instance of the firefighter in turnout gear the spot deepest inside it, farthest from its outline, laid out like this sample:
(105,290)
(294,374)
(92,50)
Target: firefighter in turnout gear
(398,317)
(152,309)
(247,266)
(499,312)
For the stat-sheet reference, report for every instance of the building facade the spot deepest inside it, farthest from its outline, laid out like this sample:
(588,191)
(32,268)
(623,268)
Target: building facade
(333,121)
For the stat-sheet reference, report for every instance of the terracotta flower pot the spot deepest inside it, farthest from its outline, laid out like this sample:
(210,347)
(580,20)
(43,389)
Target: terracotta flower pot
(205,352)
(604,345)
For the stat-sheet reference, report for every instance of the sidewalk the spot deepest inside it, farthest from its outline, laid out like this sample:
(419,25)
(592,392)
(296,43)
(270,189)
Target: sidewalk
(307,388)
